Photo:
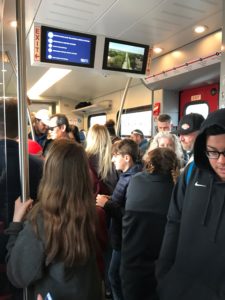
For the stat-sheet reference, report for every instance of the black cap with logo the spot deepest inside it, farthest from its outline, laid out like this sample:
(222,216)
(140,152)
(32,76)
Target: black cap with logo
(189,123)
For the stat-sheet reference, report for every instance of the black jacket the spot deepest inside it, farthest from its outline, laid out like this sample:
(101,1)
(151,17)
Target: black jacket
(10,190)
(148,198)
(191,263)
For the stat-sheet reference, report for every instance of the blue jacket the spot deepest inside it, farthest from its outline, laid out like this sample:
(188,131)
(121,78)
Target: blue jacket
(115,206)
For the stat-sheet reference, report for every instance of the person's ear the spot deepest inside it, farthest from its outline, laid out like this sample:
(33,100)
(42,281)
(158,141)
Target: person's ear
(63,128)
(127,157)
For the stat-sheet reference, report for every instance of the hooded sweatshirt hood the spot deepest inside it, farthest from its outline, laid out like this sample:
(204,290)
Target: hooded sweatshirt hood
(215,118)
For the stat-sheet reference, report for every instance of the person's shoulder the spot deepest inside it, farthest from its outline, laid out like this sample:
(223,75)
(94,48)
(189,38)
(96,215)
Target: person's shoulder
(35,160)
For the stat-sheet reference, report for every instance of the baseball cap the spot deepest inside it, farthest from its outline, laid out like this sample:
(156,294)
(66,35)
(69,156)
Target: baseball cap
(137,131)
(43,115)
(189,123)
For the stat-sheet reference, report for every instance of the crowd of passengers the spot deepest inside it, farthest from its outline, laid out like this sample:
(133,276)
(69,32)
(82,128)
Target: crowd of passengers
(125,219)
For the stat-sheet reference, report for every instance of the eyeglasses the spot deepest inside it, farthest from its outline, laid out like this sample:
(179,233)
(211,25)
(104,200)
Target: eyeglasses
(214,154)
(52,128)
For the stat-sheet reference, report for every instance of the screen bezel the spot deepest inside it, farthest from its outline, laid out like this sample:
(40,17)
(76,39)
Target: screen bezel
(106,51)
(44,30)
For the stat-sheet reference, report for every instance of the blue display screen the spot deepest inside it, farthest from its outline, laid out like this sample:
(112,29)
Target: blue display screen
(66,47)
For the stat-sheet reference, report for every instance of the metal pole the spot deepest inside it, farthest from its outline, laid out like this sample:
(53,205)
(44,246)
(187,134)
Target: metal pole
(28,110)
(22,104)
(122,104)
(152,120)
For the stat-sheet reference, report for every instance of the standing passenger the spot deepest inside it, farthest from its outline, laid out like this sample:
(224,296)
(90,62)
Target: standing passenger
(53,252)
(165,139)
(124,157)
(99,152)
(59,128)
(188,129)
(164,123)
(138,137)
(10,183)
(148,198)
(41,122)
(191,262)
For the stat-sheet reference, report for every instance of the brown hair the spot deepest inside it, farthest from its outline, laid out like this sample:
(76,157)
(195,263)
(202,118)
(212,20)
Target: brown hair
(126,146)
(164,118)
(162,161)
(67,205)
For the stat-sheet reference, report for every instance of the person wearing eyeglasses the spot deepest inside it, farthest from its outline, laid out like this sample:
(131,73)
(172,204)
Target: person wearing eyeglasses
(191,264)
(58,128)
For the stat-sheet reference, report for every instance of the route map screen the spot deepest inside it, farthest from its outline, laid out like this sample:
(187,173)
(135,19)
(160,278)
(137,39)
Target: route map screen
(125,56)
(60,46)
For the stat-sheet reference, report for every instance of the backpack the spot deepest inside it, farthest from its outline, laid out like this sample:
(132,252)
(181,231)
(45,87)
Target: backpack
(189,172)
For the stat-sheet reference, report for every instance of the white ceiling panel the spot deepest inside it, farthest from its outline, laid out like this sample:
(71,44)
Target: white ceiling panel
(165,23)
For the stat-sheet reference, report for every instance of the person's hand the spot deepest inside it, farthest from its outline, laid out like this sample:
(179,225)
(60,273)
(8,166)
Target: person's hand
(21,209)
(101,200)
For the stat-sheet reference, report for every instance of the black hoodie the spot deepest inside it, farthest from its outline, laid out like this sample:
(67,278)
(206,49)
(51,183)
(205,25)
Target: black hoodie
(192,259)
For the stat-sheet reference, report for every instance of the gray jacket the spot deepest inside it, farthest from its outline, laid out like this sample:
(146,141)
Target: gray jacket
(26,268)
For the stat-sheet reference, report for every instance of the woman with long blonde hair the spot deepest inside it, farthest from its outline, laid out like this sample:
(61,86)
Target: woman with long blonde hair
(54,252)
(99,152)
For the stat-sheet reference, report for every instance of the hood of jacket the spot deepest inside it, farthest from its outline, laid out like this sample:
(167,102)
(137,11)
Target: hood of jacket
(215,118)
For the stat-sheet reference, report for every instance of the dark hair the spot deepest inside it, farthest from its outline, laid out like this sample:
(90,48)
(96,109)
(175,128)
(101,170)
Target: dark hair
(110,125)
(75,131)
(126,146)
(66,202)
(162,161)
(62,120)
(200,145)
(8,118)
(164,118)
(214,130)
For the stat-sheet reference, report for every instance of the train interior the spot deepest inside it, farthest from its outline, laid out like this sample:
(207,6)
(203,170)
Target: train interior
(180,69)
(188,60)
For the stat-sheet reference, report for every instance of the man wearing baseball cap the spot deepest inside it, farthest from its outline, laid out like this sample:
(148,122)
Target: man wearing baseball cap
(188,129)
(138,137)
(41,123)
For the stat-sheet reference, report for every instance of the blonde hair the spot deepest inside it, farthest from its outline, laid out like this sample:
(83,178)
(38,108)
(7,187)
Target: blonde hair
(166,134)
(98,142)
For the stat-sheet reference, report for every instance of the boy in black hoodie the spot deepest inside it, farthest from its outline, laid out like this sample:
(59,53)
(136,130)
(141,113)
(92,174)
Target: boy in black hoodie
(192,258)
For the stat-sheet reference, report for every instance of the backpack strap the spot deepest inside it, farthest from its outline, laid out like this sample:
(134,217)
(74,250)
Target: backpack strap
(189,172)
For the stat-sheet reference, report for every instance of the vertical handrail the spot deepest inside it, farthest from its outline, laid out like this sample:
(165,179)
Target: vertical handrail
(152,120)
(122,104)
(28,110)
(22,103)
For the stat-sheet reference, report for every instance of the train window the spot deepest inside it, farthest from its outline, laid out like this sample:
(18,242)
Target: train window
(97,119)
(200,107)
(136,118)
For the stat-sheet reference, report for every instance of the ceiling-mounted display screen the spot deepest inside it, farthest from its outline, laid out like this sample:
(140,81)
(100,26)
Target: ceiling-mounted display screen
(125,56)
(65,47)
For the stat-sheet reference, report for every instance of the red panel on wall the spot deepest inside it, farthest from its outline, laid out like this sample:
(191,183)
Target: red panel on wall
(209,93)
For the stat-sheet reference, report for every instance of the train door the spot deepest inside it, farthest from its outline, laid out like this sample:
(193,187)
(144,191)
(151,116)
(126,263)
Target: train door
(202,100)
